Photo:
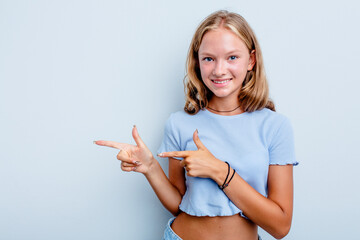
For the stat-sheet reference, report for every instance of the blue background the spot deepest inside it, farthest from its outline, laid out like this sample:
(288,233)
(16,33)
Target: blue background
(76,71)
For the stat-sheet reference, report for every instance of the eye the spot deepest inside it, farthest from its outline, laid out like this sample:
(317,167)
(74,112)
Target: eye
(233,57)
(208,59)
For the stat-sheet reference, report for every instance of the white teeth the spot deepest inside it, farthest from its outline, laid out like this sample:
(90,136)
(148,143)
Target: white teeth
(224,81)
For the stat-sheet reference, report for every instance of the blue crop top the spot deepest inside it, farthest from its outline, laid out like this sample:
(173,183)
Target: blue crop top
(250,142)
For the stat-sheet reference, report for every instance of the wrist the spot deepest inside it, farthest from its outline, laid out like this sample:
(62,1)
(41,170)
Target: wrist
(221,170)
(152,167)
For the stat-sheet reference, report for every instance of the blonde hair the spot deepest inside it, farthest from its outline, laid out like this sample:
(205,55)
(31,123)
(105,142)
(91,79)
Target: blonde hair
(254,94)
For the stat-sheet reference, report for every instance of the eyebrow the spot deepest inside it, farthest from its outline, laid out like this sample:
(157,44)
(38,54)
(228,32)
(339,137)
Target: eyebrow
(228,53)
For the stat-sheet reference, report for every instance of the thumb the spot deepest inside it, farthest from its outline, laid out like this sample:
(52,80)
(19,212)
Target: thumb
(197,141)
(137,138)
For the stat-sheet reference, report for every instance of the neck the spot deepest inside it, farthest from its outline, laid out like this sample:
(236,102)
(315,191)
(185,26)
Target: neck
(224,107)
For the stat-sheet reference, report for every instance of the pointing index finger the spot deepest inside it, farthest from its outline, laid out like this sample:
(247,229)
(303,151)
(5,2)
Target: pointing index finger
(111,144)
(180,154)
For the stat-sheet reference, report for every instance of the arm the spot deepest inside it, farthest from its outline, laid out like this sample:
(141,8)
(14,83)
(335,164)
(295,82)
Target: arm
(273,214)
(177,175)
(169,191)
(138,158)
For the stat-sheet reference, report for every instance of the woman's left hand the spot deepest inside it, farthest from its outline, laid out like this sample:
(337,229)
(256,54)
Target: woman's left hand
(199,163)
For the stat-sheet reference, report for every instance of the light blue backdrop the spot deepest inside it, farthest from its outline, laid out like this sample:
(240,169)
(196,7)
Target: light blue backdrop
(75,71)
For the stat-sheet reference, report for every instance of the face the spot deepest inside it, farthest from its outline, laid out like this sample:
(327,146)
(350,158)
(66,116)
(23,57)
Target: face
(224,61)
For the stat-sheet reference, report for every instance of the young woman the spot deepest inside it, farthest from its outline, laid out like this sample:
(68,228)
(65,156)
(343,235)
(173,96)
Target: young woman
(230,154)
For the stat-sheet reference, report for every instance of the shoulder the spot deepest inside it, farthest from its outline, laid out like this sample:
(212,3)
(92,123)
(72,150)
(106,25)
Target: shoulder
(269,117)
(181,122)
(277,127)
(176,121)
(268,114)
(271,123)
(181,117)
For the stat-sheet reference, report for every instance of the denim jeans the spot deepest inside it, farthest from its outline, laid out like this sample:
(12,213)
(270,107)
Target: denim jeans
(169,234)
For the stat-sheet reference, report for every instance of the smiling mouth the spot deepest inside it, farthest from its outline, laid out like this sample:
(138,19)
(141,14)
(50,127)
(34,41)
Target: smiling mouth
(221,81)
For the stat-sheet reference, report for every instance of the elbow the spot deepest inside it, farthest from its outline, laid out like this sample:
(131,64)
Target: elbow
(281,227)
(281,232)
(175,212)
(280,235)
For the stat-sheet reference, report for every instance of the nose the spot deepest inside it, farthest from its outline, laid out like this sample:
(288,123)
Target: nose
(219,68)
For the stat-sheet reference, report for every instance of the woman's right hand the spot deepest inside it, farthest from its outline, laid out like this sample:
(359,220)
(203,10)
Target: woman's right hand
(137,158)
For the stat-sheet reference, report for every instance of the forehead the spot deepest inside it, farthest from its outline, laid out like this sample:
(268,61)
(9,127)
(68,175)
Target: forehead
(221,40)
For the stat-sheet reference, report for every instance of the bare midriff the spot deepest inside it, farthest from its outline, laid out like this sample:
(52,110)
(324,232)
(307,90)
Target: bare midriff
(214,228)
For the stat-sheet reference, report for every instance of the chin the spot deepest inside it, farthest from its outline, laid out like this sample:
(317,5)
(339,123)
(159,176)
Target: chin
(225,94)
(221,95)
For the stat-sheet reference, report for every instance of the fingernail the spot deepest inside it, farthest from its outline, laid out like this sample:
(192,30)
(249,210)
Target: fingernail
(160,154)
(197,131)
(94,142)
(137,162)
(134,125)
(134,169)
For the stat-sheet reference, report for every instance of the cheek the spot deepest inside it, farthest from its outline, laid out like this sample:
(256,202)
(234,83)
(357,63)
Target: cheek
(240,69)
(205,70)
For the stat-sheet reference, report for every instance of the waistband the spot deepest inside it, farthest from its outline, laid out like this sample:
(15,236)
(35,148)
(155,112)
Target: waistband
(169,234)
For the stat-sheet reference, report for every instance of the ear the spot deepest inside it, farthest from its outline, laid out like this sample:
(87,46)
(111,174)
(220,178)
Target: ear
(252,60)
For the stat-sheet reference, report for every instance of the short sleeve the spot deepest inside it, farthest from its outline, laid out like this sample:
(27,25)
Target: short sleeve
(281,149)
(171,139)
